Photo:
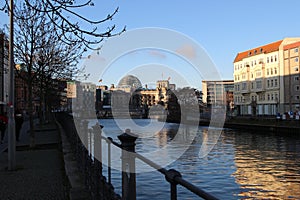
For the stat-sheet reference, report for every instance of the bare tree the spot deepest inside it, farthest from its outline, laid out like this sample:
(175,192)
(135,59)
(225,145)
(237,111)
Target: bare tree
(64,14)
(48,46)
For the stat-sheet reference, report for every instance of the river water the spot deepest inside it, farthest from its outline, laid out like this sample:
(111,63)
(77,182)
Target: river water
(242,164)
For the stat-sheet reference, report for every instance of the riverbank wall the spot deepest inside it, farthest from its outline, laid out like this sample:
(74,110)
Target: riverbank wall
(259,125)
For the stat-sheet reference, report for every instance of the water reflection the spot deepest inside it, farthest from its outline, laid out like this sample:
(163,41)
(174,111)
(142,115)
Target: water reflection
(267,166)
(242,165)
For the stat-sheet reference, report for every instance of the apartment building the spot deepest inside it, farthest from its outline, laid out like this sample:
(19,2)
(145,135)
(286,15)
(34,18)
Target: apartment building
(265,78)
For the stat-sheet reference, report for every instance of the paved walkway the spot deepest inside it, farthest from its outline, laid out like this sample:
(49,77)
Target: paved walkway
(40,172)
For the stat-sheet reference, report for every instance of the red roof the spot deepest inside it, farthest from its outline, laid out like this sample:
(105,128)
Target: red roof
(291,46)
(259,50)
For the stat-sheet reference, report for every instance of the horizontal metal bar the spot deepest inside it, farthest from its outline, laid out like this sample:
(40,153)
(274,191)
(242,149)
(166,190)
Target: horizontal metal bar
(178,180)
(196,190)
(110,140)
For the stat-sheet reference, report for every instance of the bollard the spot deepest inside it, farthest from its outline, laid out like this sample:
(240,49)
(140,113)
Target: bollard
(128,165)
(170,176)
(98,161)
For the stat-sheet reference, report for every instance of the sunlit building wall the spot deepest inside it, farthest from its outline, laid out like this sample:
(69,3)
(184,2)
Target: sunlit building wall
(260,79)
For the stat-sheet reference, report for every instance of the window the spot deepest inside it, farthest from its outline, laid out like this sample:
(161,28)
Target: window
(252,85)
(258,73)
(243,76)
(275,70)
(275,58)
(297,97)
(258,85)
(267,59)
(296,50)
(297,87)
(251,75)
(268,97)
(271,83)
(267,71)
(272,97)
(244,86)
(271,71)
(296,78)
(276,96)
(275,82)
(297,59)
(261,50)
(296,69)
(271,58)
(268,83)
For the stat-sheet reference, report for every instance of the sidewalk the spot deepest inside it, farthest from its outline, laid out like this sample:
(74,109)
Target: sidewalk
(40,172)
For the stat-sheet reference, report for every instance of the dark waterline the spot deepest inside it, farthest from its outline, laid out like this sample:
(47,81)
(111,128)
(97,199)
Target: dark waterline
(242,165)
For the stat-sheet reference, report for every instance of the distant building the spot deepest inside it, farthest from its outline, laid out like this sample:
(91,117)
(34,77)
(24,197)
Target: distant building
(217,92)
(81,97)
(266,78)
(130,88)
(4,71)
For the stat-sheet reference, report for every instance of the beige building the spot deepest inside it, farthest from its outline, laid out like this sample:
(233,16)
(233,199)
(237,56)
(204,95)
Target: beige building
(263,76)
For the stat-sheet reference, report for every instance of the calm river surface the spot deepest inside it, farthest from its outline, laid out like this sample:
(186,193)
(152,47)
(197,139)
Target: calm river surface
(242,165)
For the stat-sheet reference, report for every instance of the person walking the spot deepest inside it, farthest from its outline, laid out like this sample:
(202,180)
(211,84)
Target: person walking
(19,121)
(3,125)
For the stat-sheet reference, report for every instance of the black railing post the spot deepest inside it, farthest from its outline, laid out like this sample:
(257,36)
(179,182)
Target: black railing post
(85,152)
(128,165)
(98,160)
(109,159)
(170,177)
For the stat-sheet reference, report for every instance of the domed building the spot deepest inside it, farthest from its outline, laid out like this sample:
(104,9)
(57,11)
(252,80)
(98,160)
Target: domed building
(130,81)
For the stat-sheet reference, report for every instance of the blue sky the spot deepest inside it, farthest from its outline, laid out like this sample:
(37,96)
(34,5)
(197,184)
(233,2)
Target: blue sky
(222,28)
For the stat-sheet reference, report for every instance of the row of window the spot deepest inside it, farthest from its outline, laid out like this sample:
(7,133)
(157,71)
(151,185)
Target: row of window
(257,73)
(269,59)
(257,98)
(260,61)
(257,85)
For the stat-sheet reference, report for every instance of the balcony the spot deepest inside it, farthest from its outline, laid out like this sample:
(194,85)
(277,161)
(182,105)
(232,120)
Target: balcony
(246,91)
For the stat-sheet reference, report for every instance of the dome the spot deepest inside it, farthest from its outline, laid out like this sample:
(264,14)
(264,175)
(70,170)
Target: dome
(130,81)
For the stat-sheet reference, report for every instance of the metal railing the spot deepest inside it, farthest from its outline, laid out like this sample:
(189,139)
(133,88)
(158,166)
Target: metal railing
(102,188)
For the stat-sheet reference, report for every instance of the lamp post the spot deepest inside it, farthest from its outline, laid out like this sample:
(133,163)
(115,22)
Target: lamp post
(11,119)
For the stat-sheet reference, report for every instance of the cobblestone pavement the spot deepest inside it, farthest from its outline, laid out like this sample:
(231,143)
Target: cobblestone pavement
(40,172)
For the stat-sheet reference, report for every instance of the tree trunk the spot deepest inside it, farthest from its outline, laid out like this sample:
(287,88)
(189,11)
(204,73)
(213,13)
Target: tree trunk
(30,112)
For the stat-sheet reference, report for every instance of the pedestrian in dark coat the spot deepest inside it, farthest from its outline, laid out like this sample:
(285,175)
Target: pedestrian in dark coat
(19,121)
(3,125)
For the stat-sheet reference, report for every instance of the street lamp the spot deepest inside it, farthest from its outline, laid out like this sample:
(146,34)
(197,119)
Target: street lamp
(11,119)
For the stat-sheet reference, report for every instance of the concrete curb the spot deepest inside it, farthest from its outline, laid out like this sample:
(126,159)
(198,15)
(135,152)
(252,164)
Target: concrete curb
(78,190)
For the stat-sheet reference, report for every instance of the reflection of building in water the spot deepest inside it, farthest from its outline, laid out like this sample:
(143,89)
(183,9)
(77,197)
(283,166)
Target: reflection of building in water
(266,171)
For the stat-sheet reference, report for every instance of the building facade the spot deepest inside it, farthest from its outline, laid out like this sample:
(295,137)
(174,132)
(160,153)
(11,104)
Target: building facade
(262,77)
(291,79)
(218,93)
